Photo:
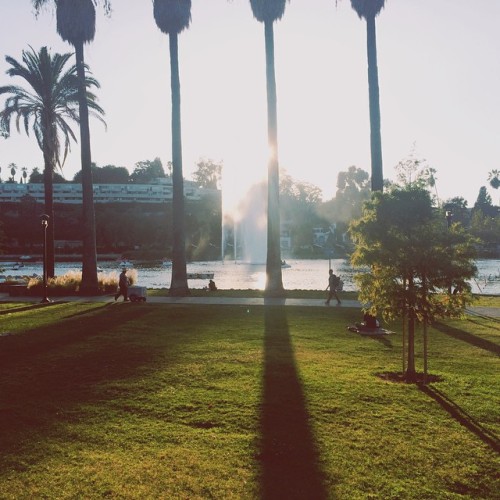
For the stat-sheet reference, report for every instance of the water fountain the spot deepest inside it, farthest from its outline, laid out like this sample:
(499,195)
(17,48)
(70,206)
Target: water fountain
(249,234)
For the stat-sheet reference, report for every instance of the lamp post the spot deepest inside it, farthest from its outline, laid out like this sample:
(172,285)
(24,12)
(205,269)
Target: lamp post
(45,222)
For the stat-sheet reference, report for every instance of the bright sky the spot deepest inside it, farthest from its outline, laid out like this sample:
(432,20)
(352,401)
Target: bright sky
(439,75)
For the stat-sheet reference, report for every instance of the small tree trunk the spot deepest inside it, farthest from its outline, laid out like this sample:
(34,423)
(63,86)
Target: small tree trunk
(411,374)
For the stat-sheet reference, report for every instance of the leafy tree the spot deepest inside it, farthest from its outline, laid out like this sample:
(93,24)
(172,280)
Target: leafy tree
(369,10)
(414,261)
(484,203)
(487,230)
(76,25)
(208,173)
(146,171)
(457,207)
(267,12)
(299,203)
(48,107)
(353,189)
(108,174)
(36,177)
(172,17)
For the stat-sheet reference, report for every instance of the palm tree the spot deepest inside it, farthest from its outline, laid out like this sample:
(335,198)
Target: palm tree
(494,178)
(76,25)
(52,102)
(173,17)
(369,9)
(13,170)
(267,12)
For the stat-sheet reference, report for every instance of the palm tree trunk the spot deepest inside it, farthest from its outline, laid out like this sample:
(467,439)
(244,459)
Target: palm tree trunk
(373,90)
(274,282)
(89,284)
(178,285)
(48,187)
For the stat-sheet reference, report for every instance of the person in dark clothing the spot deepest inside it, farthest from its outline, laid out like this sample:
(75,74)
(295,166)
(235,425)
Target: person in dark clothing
(333,284)
(212,287)
(123,284)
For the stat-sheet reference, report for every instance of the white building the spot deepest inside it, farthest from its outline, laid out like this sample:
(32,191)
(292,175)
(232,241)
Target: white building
(158,192)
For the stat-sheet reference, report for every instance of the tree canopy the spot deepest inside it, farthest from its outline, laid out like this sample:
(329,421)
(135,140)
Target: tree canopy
(415,262)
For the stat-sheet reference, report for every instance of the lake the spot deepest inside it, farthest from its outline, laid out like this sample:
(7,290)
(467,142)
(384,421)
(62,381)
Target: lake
(302,274)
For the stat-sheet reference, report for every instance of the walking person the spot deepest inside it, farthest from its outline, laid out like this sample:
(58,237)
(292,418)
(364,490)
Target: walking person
(123,284)
(333,285)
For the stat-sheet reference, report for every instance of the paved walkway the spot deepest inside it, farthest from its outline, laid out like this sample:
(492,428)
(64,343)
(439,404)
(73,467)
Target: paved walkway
(492,312)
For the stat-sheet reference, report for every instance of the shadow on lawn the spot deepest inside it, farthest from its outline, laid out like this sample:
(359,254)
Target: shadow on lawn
(468,337)
(48,372)
(288,455)
(462,417)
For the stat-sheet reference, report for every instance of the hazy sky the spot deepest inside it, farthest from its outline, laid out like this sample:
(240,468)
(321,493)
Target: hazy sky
(439,75)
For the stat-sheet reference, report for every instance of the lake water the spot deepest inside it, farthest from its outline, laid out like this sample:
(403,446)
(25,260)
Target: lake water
(303,274)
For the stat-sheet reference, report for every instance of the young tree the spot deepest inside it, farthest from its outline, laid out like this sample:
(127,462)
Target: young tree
(47,108)
(416,262)
(267,12)
(172,17)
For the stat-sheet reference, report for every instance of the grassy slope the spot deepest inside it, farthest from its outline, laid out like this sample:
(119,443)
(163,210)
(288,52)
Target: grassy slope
(155,401)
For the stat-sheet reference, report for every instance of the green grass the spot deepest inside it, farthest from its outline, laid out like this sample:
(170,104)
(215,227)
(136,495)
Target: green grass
(161,401)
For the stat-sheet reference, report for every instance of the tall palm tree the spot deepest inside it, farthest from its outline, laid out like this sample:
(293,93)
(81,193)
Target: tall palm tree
(173,17)
(369,10)
(267,12)
(47,110)
(76,25)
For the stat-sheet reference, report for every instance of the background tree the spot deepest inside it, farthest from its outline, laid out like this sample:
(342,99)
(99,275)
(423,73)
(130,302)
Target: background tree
(208,173)
(494,178)
(172,17)
(484,203)
(353,189)
(12,166)
(146,171)
(108,174)
(369,10)
(413,260)
(76,25)
(36,177)
(47,108)
(267,12)
(458,207)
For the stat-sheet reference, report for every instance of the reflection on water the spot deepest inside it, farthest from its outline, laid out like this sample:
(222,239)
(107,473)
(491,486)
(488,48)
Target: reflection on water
(303,274)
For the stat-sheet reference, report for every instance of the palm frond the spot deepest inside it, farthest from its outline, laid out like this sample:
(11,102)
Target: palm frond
(367,8)
(268,10)
(172,16)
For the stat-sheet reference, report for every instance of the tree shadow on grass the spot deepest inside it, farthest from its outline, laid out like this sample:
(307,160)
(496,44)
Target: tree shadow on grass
(289,458)
(47,373)
(474,340)
(461,416)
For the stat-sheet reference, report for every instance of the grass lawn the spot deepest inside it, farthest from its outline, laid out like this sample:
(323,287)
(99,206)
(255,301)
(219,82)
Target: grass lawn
(161,401)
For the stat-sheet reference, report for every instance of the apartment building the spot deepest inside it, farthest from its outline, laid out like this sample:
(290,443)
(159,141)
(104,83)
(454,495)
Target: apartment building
(159,191)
